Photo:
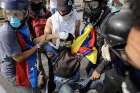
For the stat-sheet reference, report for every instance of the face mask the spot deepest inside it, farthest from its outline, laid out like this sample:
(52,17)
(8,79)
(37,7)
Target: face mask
(65,11)
(66,17)
(63,35)
(15,22)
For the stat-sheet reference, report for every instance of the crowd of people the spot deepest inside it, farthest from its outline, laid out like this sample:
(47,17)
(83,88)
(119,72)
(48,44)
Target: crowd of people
(103,57)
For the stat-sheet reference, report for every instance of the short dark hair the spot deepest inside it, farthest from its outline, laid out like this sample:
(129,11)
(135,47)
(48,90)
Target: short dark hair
(135,7)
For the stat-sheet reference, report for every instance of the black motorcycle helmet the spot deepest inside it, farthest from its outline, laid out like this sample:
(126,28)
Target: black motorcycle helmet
(96,11)
(14,4)
(117,27)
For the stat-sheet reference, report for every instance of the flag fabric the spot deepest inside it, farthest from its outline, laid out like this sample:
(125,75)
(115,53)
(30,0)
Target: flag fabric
(84,44)
(26,71)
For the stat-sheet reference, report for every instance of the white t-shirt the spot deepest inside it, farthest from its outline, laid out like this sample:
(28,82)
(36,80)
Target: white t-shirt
(53,3)
(64,23)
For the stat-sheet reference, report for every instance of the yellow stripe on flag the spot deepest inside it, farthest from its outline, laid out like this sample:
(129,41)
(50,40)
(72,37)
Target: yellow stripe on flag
(92,56)
(79,41)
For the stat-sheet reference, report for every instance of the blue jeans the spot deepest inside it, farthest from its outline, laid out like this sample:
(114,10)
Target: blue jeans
(66,89)
(65,85)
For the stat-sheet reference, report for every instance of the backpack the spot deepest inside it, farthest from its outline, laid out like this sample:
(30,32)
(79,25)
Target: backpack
(66,64)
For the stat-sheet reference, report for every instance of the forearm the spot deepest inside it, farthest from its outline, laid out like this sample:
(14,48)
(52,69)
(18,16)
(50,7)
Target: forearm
(76,33)
(44,39)
(101,66)
(26,54)
(77,30)
(49,37)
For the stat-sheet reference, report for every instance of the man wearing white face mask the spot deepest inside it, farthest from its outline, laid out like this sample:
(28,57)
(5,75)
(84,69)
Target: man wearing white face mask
(65,20)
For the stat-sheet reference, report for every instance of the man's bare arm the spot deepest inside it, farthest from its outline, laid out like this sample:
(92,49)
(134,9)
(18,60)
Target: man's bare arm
(77,29)
(48,35)
(24,55)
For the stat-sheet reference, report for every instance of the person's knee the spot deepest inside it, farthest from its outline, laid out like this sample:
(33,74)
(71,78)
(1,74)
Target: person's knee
(66,89)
